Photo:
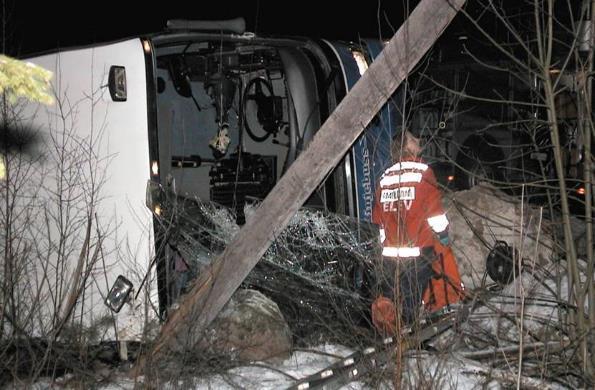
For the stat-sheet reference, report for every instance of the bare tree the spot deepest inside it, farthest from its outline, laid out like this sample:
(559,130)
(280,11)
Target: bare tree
(513,107)
(58,244)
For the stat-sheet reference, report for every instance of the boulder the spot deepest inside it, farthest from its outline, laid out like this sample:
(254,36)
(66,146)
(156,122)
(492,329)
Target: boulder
(535,299)
(579,233)
(249,327)
(532,307)
(480,217)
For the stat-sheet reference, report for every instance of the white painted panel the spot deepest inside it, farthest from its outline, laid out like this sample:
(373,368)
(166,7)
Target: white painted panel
(89,151)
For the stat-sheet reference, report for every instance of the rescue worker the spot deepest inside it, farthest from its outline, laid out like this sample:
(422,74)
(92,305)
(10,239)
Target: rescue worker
(413,229)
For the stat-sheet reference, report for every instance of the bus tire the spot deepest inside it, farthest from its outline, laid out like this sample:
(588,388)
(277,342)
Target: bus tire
(479,160)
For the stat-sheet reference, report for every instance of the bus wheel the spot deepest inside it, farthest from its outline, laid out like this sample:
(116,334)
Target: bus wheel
(479,160)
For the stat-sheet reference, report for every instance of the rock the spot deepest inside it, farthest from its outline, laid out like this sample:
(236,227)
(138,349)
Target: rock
(249,327)
(579,233)
(496,322)
(532,297)
(536,300)
(483,215)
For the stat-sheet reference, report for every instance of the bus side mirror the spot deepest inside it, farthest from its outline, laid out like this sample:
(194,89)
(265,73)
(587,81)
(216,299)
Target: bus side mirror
(118,294)
(116,82)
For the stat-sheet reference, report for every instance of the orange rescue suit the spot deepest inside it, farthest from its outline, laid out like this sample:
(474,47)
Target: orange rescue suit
(409,211)
(445,287)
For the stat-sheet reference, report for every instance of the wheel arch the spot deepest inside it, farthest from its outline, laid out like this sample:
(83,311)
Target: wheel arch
(481,149)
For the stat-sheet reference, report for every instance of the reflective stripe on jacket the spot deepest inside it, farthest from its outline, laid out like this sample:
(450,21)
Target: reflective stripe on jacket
(408,209)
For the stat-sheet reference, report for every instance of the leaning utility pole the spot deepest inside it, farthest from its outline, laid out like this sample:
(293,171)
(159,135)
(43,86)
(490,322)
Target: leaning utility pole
(213,288)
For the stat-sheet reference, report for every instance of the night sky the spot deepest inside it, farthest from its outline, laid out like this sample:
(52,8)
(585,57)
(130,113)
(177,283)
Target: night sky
(34,27)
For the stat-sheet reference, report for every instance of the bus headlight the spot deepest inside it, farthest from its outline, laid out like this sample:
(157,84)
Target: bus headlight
(154,197)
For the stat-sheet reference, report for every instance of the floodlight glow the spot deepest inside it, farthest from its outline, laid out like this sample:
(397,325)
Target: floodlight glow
(360,60)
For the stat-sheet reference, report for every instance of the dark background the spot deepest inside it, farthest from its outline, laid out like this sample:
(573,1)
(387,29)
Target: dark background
(32,27)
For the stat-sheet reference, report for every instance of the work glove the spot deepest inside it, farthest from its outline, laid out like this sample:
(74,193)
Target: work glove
(443,237)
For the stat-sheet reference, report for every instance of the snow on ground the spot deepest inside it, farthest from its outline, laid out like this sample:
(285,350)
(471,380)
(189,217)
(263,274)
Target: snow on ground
(450,370)
(260,375)
(278,376)
(423,370)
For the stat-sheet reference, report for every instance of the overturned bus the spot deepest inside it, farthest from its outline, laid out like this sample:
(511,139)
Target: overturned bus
(204,111)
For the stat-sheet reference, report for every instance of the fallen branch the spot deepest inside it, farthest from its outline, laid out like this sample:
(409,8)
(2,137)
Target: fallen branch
(514,349)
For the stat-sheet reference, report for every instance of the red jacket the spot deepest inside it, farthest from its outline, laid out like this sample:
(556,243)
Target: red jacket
(408,209)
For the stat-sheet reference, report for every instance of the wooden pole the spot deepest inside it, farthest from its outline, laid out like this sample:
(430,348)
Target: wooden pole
(211,290)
